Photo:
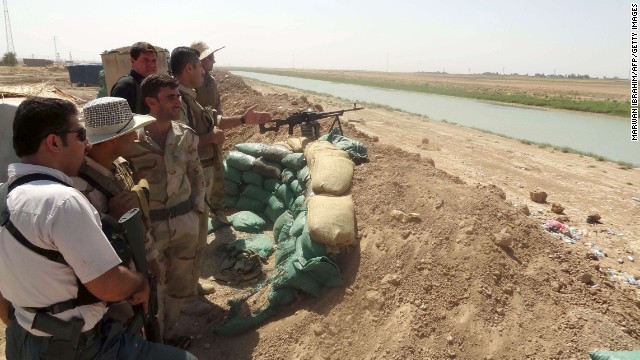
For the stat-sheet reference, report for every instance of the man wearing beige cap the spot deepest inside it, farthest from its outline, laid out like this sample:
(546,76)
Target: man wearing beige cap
(105,177)
(208,95)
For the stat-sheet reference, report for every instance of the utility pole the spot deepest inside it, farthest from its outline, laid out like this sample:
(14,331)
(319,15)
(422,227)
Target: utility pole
(7,25)
(70,57)
(55,46)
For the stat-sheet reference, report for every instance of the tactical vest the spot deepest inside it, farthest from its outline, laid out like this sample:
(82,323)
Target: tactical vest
(124,181)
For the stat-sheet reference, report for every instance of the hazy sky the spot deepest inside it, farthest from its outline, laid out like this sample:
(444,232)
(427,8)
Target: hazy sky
(536,36)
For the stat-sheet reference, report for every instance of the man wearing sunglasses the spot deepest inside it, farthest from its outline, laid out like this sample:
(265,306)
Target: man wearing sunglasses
(57,268)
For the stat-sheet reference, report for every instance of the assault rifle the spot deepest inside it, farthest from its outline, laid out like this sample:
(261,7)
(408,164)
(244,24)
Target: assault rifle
(308,121)
(133,231)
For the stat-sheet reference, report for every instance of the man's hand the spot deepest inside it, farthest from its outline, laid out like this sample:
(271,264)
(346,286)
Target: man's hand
(254,117)
(141,294)
(121,203)
(214,137)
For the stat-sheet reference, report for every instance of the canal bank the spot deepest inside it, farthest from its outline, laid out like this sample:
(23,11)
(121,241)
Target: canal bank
(600,135)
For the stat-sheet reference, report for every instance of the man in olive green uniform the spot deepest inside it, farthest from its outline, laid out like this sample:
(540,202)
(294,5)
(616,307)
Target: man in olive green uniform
(187,69)
(166,154)
(105,178)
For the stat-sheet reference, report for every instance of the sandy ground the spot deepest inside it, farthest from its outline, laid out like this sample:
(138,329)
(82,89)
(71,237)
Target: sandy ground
(442,288)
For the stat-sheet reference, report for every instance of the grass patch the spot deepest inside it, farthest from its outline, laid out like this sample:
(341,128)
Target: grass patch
(544,100)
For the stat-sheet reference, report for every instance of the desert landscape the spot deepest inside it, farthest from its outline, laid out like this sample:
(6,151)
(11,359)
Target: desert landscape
(478,276)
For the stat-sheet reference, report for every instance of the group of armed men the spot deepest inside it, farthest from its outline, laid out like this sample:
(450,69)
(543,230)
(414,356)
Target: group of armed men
(155,144)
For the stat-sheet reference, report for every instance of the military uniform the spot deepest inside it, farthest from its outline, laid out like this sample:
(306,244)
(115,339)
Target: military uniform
(202,122)
(176,184)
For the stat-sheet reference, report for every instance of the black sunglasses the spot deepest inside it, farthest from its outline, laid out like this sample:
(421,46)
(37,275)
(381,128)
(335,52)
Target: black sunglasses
(82,133)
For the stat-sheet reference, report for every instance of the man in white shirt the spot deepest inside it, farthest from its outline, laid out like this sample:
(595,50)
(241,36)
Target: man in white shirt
(57,268)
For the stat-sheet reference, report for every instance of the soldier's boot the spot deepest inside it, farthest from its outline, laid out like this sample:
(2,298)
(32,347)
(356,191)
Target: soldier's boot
(196,307)
(205,289)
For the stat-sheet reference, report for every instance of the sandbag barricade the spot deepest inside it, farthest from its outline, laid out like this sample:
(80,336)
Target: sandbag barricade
(300,188)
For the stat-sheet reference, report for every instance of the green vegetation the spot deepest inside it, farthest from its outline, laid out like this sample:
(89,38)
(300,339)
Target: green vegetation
(557,102)
(9,59)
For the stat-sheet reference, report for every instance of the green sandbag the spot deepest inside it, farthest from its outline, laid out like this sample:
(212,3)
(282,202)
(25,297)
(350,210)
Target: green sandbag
(268,168)
(231,188)
(261,244)
(256,193)
(294,161)
(298,224)
(231,173)
(615,355)
(303,175)
(284,250)
(249,222)
(310,248)
(275,153)
(249,204)
(286,195)
(252,177)
(271,184)
(231,201)
(296,187)
(282,220)
(274,208)
(240,161)
(214,225)
(287,176)
(357,150)
(299,205)
(253,149)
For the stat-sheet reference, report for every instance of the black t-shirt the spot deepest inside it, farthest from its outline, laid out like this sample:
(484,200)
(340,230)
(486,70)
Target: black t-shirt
(127,87)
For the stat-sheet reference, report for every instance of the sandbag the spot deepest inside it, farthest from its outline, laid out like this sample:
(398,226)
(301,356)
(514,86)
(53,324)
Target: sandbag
(275,153)
(274,208)
(245,203)
(615,355)
(299,205)
(240,161)
(322,147)
(247,221)
(271,184)
(357,150)
(231,188)
(311,149)
(296,187)
(331,175)
(268,168)
(298,225)
(282,220)
(295,161)
(287,176)
(286,195)
(256,193)
(231,173)
(231,201)
(252,177)
(253,149)
(311,249)
(303,175)
(298,144)
(331,220)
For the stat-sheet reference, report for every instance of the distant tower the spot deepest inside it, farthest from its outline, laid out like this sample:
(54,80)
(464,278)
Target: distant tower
(55,46)
(7,25)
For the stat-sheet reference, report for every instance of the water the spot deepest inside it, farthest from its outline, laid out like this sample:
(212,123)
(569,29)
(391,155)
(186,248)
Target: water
(602,135)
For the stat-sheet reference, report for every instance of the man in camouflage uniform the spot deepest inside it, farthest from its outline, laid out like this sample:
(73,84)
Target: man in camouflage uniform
(166,154)
(105,177)
(186,67)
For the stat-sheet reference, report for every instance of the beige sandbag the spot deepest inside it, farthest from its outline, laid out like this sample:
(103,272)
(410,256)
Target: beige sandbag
(331,175)
(285,144)
(298,144)
(331,220)
(322,148)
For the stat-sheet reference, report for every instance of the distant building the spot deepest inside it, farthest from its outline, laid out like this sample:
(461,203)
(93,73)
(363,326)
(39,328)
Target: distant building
(37,62)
